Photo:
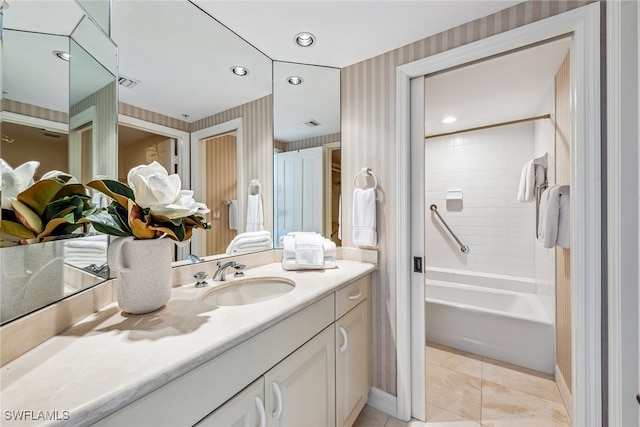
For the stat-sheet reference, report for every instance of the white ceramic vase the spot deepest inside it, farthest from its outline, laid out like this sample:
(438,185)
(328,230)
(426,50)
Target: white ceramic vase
(143,268)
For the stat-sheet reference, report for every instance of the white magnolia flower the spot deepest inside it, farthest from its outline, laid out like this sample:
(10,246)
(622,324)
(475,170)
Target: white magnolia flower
(154,188)
(15,181)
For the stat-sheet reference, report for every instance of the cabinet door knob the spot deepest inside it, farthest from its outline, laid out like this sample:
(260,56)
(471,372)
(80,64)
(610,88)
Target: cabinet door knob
(638,398)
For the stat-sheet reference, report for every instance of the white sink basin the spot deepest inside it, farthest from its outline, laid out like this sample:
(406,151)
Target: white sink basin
(248,291)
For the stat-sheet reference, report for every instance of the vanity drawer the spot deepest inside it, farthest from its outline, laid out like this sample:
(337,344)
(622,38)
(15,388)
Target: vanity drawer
(351,295)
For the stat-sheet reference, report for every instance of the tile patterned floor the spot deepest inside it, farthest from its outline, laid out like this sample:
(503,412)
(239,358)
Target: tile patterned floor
(466,390)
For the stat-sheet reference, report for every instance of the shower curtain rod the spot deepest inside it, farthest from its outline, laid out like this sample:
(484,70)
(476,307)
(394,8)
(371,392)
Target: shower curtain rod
(513,122)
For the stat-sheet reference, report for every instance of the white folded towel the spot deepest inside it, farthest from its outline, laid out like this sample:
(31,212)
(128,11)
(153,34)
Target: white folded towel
(364,217)
(233,215)
(309,250)
(290,264)
(250,241)
(548,216)
(564,223)
(289,245)
(255,216)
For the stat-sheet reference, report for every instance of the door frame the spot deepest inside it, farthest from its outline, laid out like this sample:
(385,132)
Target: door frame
(584,26)
(198,166)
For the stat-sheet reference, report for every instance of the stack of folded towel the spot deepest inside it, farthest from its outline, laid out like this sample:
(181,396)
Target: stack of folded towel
(250,241)
(554,225)
(531,176)
(89,250)
(307,251)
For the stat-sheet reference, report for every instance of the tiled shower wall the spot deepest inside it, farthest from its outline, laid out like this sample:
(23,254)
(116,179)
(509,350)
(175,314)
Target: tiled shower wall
(499,230)
(369,140)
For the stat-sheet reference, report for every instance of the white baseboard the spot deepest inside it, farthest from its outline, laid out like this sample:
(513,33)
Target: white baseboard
(564,392)
(383,401)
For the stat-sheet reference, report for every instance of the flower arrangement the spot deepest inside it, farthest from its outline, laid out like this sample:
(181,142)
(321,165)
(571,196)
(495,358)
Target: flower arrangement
(43,210)
(153,205)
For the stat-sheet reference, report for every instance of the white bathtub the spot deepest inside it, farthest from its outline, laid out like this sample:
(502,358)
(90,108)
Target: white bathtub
(501,324)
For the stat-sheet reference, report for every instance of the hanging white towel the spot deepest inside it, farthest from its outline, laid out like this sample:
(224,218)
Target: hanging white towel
(364,217)
(564,224)
(233,215)
(528,180)
(549,215)
(255,216)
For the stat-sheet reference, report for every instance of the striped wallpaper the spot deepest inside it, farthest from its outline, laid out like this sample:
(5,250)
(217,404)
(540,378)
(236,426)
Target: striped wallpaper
(105,130)
(34,111)
(150,116)
(368,140)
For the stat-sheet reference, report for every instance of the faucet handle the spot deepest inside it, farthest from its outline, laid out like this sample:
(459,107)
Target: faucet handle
(239,268)
(200,277)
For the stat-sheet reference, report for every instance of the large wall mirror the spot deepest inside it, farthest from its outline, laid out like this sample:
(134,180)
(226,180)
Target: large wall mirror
(58,109)
(307,159)
(172,96)
(182,105)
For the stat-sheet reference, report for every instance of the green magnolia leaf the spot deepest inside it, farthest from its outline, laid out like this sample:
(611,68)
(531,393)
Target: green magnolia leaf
(16,229)
(105,223)
(72,190)
(114,189)
(40,194)
(120,215)
(62,207)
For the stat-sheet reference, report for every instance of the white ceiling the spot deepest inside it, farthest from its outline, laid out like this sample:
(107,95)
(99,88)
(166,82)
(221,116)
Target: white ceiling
(182,57)
(510,87)
(347,31)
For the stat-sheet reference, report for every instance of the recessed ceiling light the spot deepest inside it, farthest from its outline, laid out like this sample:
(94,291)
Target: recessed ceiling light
(239,71)
(295,80)
(449,119)
(304,39)
(62,55)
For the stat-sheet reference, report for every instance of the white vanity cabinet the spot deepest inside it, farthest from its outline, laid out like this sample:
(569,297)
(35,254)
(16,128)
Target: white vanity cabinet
(309,369)
(352,351)
(298,391)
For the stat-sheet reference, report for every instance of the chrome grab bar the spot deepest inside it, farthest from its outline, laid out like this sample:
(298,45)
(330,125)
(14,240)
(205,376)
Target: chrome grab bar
(464,248)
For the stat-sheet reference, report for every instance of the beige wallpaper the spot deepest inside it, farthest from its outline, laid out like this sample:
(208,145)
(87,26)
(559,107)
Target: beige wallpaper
(368,140)
(104,100)
(34,111)
(150,116)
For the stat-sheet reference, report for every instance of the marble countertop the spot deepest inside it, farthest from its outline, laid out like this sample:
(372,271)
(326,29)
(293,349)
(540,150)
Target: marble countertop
(111,359)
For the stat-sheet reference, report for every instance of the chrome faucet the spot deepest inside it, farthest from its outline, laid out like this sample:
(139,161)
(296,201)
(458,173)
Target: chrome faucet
(194,258)
(221,273)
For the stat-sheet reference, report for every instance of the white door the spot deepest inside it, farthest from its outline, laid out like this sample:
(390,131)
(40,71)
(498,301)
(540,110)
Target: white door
(299,191)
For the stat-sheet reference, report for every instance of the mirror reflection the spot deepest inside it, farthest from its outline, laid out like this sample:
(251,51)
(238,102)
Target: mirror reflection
(212,127)
(307,149)
(42,89)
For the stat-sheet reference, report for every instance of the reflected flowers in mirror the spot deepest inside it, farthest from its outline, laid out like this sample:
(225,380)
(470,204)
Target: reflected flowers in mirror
(153,205)
(50,208)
